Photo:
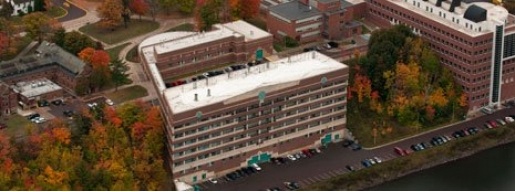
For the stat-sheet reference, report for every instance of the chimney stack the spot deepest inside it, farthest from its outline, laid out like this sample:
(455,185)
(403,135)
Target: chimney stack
(196,97)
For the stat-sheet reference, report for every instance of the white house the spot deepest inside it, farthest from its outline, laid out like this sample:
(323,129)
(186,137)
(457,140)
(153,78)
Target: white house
(20,5)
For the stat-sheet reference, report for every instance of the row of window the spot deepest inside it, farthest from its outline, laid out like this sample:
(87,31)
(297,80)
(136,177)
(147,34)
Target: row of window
(237,128)
(250,143)
(274,110)
(266,103)
(412,18)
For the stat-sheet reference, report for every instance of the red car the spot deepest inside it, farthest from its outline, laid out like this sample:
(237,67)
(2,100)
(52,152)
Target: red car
(493,123)
(399,151)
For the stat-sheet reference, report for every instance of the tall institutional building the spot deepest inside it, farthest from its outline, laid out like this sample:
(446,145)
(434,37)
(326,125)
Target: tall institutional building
(246,116)
(474,39)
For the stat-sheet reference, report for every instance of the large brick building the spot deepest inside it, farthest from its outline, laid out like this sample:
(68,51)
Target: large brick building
(48,62)
(475,40)
(310,20)
(178,53)
(248,116)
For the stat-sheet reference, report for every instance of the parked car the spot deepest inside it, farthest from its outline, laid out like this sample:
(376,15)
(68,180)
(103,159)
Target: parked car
(109,102)
(307,153)
(256,166)
(350,168)
(493,123)
(92,105)
(292,185)
(399,151)
(347,143)
(355,147)
(425,145)
(500,121)
(291,157)
(487,110)
(378,160)
(43,103)
(3,126)
(57,102)
(32,116)
(366,163)
(473,130)
(213,181)
(488,126)
(457,134)
(68,113)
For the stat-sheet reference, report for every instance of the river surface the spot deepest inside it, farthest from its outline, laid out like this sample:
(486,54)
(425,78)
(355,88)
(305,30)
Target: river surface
(493,169)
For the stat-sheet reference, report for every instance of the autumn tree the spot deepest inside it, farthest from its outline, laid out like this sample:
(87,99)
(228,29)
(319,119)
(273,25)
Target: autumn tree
(110,12)
(249,8)
(140,7)
(99,62)
(38,25)
(208,14)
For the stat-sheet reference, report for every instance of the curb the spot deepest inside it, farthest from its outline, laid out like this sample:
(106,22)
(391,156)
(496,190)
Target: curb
(419,134)
(59,17)
(80,7)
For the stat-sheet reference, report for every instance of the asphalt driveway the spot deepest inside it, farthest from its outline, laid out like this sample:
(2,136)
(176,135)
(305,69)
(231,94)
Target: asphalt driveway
(332,161)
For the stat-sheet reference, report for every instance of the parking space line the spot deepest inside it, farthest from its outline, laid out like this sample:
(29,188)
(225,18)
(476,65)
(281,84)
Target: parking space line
(303,183)
(325,176)
(311,180)
(316,178)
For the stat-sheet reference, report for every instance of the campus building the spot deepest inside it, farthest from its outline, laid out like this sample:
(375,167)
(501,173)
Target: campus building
(49,63)
(179,53)
(312,20)
(475,40)
(247,116)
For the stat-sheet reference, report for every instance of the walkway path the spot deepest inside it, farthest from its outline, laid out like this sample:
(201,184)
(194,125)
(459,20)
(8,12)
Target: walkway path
(135,70)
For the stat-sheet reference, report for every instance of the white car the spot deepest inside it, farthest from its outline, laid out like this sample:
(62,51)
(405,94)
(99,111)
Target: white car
(509,119)
(38,120)
(378,160)
(257,167)
(291,157)
(212,180)
(109,102)
(91,105)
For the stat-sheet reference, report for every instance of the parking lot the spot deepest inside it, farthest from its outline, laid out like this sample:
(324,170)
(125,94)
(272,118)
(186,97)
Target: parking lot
(333,160)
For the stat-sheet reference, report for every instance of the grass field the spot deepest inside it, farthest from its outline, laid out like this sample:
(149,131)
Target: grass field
(132,55)
(127,94)
(16,125)
(135,28)
(56,12)
(182,27)
(115,51)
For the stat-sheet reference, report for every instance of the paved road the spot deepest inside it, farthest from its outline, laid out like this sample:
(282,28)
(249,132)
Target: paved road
(333,160)
(74,12)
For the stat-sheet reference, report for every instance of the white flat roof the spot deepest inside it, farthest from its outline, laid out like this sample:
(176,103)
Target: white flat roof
(172,41)
(249,31)
(494,14)
(35,88)
(147,46)
(226,86)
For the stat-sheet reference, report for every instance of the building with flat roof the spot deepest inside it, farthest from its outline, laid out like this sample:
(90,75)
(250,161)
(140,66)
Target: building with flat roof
(179,53)
(310,20)
(474,39)
(30,92)
(50,62)
(247,116)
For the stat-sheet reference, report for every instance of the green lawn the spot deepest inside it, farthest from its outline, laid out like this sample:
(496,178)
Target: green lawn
(56,12)
(182,27)
(132,55)
(127,94)
(16,125)
(135,28)
(115,51)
